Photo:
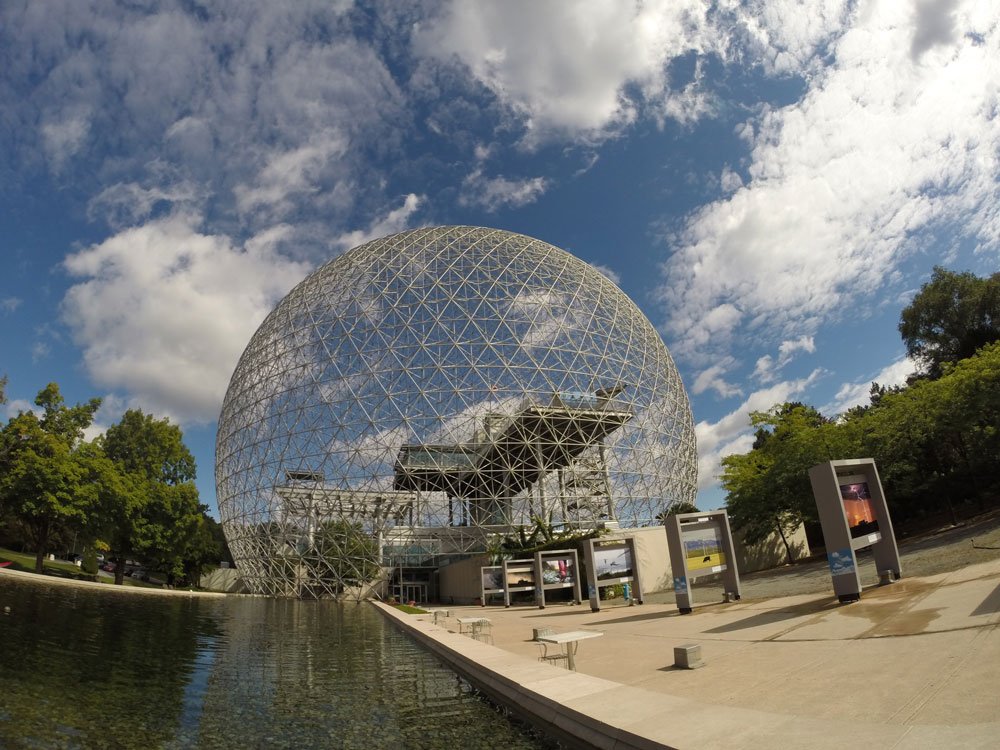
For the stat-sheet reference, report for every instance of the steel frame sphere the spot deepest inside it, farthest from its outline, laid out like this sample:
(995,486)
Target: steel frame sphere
(427,390)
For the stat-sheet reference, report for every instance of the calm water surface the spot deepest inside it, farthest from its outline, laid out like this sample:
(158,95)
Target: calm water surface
(100,669)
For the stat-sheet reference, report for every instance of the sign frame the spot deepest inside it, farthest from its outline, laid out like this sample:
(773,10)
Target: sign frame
(680,528)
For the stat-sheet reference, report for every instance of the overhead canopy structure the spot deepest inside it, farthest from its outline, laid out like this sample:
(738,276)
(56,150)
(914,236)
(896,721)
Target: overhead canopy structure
(530,444)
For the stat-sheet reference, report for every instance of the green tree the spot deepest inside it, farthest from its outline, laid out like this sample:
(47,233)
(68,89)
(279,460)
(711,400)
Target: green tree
(42,485)
(350,554)
(154,448)
(767,489)
(160,514)
(951,317)
(204,550)
(937,441)
(172,521)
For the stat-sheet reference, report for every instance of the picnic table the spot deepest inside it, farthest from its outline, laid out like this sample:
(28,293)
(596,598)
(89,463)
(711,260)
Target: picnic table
(571,641)
(440,614)
(477,626)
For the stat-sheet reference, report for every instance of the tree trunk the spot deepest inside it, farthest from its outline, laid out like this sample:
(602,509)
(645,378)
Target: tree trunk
(788,548)
(119,570)
(41,547)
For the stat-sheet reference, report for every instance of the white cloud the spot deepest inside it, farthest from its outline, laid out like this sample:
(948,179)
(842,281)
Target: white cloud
(288,175)
(878,149)
(396,220)
(564,67)
(858,394)
(786,36)
(764,369)
(111,411)
(767,369)
(733,434)
(247,109)
(608,272)
(39,351)
(730,180)
(17,406)
(712,378)
(10,304)
(64,138)
(164,311)
(126,203)
(494,193)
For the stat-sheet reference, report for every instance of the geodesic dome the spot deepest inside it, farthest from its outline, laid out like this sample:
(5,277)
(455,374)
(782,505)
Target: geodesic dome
(426,391)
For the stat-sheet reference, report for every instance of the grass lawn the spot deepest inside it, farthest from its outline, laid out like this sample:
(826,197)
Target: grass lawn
(59,568)
(410,610)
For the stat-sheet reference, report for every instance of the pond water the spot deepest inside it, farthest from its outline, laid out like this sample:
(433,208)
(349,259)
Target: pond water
(102,669)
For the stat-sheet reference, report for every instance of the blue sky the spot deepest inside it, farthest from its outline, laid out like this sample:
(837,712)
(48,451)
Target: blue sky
(770,181)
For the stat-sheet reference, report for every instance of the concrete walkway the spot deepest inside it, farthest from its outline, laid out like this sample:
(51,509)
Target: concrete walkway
(912,665)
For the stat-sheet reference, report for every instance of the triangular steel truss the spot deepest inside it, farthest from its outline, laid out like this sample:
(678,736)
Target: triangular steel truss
(428,390)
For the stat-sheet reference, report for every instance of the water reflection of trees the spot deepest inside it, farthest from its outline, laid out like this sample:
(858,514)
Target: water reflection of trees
(99,670)
(95,669)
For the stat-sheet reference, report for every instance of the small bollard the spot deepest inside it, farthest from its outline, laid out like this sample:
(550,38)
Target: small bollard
(688,656)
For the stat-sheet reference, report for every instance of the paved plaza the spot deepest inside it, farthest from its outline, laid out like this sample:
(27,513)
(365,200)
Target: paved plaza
(912,665)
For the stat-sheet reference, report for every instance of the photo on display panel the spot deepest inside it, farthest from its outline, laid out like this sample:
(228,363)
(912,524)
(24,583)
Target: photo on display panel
(557,571)
(613,563)
(520,577)
(493,579)
(858,509)
(703,549)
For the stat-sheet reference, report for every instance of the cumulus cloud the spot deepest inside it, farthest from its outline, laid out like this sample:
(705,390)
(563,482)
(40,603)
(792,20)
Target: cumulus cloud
(494,193)
(859,394)
(396,220)
(934,24)
(16,406)
(767,368)
(712,379)
(732,433)
(565,67)
(840,182)
(127,203)
(785,36)
(163,311)
(240,109)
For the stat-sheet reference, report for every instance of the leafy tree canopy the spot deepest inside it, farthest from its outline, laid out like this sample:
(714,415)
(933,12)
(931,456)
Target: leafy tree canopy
(65,422)
(951,317)
(43,483)
(151,447)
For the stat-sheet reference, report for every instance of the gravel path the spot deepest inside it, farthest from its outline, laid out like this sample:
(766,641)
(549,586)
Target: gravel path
(943,551)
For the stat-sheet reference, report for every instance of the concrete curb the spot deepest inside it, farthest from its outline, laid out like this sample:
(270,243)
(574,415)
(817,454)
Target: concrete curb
(517,683)
(586,711)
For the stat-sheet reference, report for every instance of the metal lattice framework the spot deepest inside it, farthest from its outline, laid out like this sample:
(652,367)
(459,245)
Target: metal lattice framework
(427,390)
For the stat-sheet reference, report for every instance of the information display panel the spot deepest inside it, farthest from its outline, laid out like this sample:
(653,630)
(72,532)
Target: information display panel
(557,569)
(701,544)
(518,575)
(492,578)
(854,514)
(611,562)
